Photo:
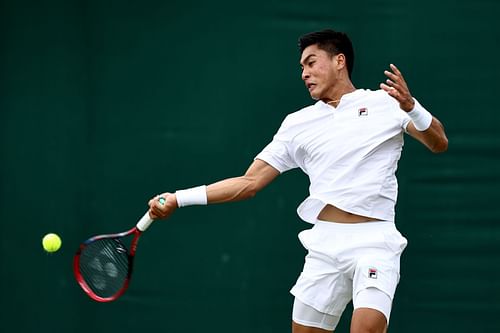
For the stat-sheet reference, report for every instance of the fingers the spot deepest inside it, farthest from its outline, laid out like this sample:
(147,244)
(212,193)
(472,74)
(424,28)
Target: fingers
(395,75)
(153,210)
(395,70)
(395,78)
(159,209)
(390,90)
(395,85)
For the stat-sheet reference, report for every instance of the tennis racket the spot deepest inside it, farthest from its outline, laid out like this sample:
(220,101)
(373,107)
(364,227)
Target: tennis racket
(103,264)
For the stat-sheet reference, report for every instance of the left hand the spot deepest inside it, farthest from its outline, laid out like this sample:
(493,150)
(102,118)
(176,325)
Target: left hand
(396,87)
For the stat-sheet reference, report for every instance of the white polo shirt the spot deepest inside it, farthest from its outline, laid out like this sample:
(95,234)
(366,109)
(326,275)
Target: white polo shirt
(350,153)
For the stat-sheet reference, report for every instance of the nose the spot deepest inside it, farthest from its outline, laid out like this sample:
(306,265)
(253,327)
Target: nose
(305,75)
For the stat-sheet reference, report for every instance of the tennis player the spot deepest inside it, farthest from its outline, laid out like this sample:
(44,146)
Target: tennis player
(348,143)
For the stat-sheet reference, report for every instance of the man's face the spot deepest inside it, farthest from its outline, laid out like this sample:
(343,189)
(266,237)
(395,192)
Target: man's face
(318,71)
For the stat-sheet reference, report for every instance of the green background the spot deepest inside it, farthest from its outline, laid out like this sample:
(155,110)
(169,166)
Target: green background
(106,103)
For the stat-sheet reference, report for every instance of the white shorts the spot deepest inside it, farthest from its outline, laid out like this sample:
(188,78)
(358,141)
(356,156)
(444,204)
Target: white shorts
(346,258)
(368,298)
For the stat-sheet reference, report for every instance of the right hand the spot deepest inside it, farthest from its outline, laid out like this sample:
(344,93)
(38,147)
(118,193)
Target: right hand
(157,210)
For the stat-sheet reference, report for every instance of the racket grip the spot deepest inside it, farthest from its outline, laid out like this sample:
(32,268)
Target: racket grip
(144,222)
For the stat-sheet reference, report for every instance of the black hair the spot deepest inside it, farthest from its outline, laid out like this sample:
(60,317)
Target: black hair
(333,42)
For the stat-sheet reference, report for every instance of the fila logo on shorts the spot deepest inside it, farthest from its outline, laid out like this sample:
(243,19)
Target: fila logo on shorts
(372,273)
(363,112)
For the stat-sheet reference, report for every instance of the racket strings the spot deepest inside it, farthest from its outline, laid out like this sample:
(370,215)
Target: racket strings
(104,265)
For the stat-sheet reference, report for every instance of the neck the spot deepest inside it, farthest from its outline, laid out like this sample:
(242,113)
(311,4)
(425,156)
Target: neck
(339,90)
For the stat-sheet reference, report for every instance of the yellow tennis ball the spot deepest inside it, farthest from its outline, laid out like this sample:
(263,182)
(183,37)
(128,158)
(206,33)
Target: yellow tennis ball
(51,242)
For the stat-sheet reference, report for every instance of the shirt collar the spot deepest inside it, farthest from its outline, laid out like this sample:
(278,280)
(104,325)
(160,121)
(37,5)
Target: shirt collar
(344,98)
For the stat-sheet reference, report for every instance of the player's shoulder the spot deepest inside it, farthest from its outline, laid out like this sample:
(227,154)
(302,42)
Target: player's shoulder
(375,96)
(302,112)
(375,100)
(299,119)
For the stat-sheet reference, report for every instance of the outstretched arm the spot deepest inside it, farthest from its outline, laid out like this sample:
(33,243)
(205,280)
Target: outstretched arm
(258,176)
(433,135)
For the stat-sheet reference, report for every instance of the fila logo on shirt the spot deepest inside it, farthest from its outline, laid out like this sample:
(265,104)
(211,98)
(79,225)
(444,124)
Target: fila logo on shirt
(363,112)
(372,273)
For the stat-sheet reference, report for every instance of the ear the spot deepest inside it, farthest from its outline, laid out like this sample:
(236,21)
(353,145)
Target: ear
(340,61)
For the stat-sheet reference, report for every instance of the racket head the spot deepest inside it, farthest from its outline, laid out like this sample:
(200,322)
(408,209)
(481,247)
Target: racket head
(103,265)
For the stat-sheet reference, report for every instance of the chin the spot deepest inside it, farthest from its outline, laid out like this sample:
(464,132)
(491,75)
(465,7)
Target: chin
(314,96)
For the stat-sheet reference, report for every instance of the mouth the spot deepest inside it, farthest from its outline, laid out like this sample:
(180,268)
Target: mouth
(310,86)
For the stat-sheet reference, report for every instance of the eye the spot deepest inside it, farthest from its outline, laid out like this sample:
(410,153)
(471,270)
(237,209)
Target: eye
(310,63)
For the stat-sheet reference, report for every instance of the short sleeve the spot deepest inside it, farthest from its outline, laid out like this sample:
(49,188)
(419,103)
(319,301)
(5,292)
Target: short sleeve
(277,152)
(405,120)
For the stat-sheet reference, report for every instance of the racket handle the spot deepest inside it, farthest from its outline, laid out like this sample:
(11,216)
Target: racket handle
(146,220)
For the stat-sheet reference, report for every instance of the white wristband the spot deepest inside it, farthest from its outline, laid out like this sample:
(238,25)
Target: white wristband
(192,196)
(421,118)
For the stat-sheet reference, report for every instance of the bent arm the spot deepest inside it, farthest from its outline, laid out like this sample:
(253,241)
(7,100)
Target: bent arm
(433,138)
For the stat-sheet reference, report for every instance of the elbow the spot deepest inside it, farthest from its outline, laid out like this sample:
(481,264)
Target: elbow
(249,190)
(250,194)
(440,147)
